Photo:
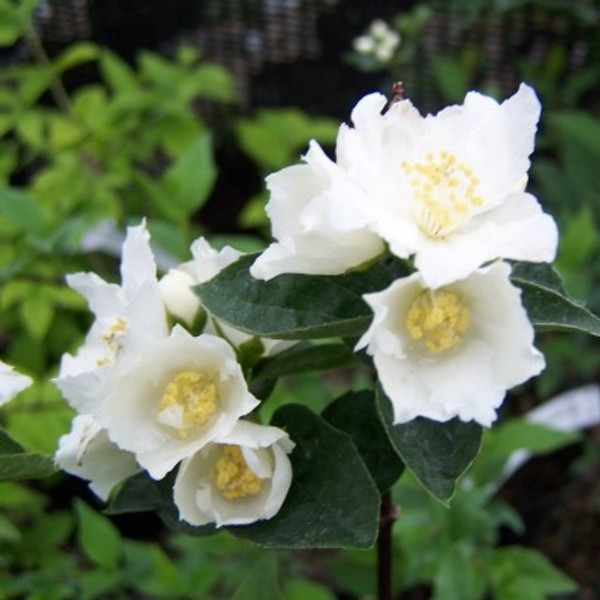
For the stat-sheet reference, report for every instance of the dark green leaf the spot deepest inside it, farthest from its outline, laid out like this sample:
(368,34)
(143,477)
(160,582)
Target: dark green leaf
(16,464)
(437,453)
(356,414)
(542,274)
(142,493)
(261,581)
(295,306)
(139,493)
(301,358)
(547,306)
(332,503)
(98,538)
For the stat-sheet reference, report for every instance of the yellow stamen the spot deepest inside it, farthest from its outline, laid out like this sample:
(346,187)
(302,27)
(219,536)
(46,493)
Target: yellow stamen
(195,394)
(233,477)
(437,319)
(445,190)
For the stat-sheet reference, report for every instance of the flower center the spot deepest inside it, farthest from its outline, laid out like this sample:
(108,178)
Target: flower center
(190,399)
(446,191)
(437,319)
(233,477)
(112,338)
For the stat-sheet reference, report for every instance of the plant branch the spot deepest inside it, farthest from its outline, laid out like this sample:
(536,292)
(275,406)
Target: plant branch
(388,516)
(55,85)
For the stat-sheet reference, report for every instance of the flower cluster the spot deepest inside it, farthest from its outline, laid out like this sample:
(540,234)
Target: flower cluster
(380,42)
(446,193)
(153,396)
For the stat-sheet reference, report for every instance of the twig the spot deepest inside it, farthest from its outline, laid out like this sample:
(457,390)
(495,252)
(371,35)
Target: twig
(388,516)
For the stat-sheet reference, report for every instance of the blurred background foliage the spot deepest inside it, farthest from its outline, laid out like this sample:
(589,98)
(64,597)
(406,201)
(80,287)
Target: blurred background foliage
(176,111)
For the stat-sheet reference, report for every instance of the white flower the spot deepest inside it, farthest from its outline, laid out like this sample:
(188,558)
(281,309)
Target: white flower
(380,41)
(318,216)
(175,286)
(449,188)
(243,478)
(87,452)
(129,317)
(11,382)
(454,351)
(180,394)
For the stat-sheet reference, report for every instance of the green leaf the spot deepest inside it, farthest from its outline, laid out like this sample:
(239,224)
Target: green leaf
(188,183)
(149,570)
(98,538)
(301,358)
(17,464)
(138,493)
(547,306)
(74,55)
(459,575)
(37,313)
(117,73)
(437,453)
(302,589)
(295,306)
(141,493)
(519,573)
(332,502)
(501,442)
(261,581)
(22,210)
(356,414)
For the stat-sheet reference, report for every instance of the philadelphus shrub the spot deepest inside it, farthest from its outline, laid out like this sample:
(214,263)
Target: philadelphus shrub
(150,396)
(447,192)
(418,247)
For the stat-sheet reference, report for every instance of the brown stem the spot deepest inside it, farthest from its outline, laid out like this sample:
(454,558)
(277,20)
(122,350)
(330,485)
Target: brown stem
(388,516)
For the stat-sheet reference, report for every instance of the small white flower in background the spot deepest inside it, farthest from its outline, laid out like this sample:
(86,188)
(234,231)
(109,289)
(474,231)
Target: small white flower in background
(380,41)
(174,398)
(11,382)
(87,452)
(453,351)
(449,188)
(318,217)
(243,478)
(129,317)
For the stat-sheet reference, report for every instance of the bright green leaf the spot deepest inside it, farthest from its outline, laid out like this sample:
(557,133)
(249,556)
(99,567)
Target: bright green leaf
(437,453)
(332,503)
(74,55)
(119,76)
(356,414)
(22,210)
(37,313)
(188,183)
(98,538)
(294,306)
(303,589)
